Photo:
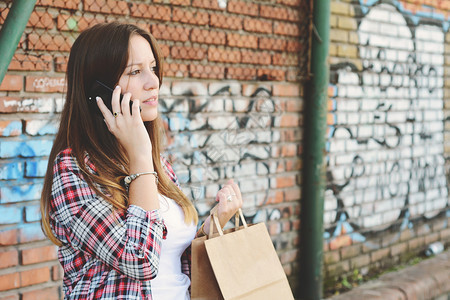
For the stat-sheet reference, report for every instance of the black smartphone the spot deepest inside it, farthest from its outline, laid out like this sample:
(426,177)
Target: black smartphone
(99,89)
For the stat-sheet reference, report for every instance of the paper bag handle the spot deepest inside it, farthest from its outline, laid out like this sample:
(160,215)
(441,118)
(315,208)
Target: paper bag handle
(215,218)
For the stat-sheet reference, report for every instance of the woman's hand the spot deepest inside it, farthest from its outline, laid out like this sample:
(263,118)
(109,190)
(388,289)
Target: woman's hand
(128,128)
(230,200)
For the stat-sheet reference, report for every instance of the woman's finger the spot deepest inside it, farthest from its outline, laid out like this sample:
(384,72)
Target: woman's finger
(107,115)
(115,101)
(125,104)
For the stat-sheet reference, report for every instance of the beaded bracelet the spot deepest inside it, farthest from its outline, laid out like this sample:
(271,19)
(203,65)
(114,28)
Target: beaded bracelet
(132,177)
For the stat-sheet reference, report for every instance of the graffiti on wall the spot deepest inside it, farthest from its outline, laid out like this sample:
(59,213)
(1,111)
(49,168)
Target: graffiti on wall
(386,164)
(222,136)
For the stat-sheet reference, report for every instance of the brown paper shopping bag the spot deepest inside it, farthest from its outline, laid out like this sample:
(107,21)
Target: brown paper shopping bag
(203,282)
(245,263)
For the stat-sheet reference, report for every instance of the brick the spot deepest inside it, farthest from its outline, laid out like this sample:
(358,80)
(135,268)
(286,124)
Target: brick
(190,17)
(285,181)
(284,28)
(338,269)
(272,44)
(31,233)
(12,83)
(379,254)
(286,90)
(349,51)
(40,19)
(170,33)
(9,281)
(350,251)
(256,58)
(9,259)
(45,84)
(10,128)
(30,62)
(289,2)
(294,46)
(8,237)
(347,23)
(207,71)
(284,59)
(35,255)
(338,35)
(279,13)
(15,104)
(271,74)
(331,257)
(61,63)
(11,214)
(289,120)
(194,53)
(340,8)
(176,70)
(49,42)
(360,261)
(46,293)
(289,150)
(11,297)
(165,49)
(260,26)
(68,4)
(239,73)
(399,248)
(292,194)
(242,41)
(106,6)
(208,37)
(244,8)
(209,4)
(149,11)
(34,276)
(57,273)
(224,55)
(226,22)
(77,23)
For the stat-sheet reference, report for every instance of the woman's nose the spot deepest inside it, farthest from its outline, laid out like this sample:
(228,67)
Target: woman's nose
(151,81)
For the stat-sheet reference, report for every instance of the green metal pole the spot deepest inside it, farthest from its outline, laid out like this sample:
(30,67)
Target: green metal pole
(313,179)
(12,30)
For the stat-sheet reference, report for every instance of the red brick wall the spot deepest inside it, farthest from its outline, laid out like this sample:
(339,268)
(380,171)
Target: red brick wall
(231,99)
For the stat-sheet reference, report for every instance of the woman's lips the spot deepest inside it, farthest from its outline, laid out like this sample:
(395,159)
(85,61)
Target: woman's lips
(151,101)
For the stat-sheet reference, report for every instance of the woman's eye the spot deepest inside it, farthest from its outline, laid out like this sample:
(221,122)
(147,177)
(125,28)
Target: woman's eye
(153,69)
(135,72)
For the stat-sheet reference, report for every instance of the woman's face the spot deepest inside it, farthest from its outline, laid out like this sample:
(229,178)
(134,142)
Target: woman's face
(139,77)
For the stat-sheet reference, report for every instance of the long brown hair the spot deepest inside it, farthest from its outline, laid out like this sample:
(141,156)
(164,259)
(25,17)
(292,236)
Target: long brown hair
(101,53)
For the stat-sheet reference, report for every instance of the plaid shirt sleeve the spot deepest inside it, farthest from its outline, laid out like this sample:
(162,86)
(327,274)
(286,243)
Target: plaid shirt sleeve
(129,242)
(186,256)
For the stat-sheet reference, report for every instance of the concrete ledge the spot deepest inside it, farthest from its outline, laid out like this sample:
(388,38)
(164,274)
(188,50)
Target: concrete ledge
(428,280)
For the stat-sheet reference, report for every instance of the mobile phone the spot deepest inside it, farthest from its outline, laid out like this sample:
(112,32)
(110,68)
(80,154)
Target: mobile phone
(99,89)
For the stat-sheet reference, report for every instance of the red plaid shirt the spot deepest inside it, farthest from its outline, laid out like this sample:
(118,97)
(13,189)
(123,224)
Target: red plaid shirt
(105,254)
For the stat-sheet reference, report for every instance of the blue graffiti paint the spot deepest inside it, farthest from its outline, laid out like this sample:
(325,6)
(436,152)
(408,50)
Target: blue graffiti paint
(12,128)
(20,193)
(48,129)
(31,232)
(416,16)
(35,168)
(10,214)
(32,213)
(11,171)
(25,148)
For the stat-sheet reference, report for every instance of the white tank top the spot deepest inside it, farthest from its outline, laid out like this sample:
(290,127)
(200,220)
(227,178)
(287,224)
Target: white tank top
(171,283)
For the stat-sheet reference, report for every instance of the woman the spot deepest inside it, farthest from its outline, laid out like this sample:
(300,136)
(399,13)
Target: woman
(109,201)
